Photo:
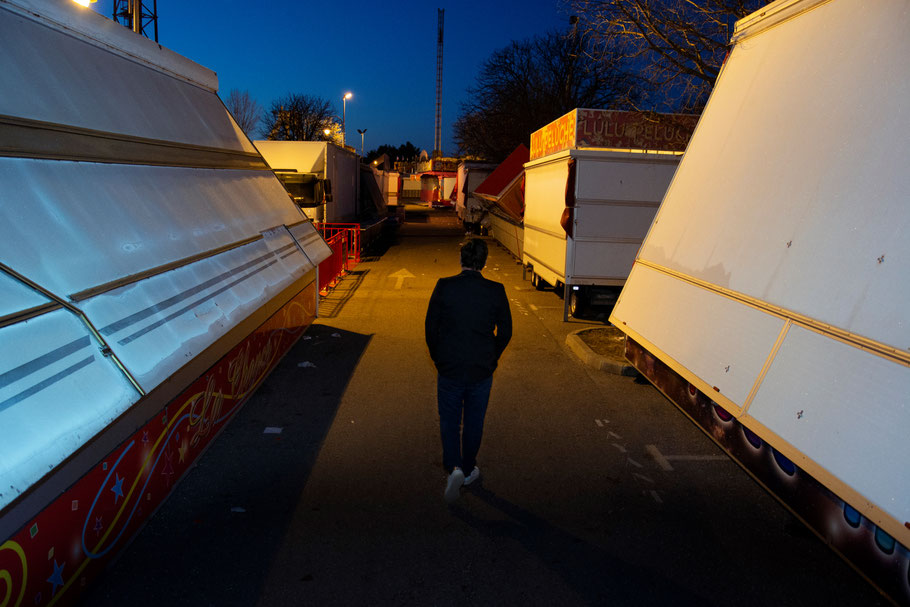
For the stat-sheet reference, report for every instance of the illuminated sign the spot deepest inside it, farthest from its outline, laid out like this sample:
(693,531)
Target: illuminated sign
(583,128)
(557,136)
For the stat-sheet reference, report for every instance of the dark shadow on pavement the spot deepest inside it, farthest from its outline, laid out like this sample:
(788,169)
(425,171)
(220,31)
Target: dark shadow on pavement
(601,578)
(223,524)
(330,305)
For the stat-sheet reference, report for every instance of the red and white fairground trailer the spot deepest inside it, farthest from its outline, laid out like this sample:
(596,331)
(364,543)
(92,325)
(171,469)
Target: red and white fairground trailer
(153,271)
(769,300)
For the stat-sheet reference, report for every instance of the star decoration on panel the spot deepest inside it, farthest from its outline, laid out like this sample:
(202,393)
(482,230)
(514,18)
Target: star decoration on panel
(118,487)
(56,578)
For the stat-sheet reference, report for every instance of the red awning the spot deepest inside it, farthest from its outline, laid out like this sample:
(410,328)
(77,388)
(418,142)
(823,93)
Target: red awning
(510,169)
(505,186)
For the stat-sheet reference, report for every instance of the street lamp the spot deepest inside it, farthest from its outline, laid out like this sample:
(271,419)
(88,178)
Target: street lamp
(361,139)
(326,132)
(344,111)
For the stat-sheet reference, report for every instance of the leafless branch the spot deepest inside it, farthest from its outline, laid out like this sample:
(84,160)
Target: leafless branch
(299,118)
(245,110)
(675,46)
(528,84)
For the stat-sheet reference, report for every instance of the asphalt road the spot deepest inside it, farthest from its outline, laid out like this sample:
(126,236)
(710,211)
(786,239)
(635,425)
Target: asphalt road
(345,507)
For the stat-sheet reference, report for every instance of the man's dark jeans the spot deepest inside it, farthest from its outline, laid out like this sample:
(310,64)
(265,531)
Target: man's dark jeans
(454,397)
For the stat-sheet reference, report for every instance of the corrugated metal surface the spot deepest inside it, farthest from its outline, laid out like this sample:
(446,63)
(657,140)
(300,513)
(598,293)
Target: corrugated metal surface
(15,297)
(74,225)
(156,325)
(67,79)
(57,391)
(118,276)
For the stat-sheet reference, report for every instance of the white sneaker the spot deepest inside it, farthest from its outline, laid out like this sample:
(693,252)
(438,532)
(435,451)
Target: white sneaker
(475,474)
(453,485)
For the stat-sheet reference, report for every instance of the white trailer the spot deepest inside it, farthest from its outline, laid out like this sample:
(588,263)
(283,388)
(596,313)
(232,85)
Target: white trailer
(468,207)
(322,177)
(589,200)
(769,300)
(388,184)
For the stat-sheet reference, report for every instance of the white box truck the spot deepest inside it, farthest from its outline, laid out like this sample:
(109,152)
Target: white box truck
(592,186)
(322,177)
(769,300)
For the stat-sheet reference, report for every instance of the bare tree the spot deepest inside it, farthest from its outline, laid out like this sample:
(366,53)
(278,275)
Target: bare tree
(245,110)
(675,46)
(299,118)
(527,85)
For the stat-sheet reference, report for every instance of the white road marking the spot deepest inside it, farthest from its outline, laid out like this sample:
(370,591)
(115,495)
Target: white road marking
(634,463)
(643,477)
(697,458)
(597,421)
(621,448)
(614,435)
(656,497)
(664,460)
(658,457)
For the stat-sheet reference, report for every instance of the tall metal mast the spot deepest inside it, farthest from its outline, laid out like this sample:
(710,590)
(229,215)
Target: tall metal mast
(133,15)
(437,143)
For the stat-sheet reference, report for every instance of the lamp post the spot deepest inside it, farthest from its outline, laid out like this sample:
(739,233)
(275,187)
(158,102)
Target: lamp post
(361,139)
(326,132)
(344,111)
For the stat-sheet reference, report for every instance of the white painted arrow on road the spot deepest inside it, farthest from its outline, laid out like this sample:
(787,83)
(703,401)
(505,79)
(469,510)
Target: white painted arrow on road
(399,277)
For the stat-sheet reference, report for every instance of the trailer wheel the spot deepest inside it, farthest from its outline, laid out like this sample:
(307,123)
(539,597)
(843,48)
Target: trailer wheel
(576,303)
(536,282)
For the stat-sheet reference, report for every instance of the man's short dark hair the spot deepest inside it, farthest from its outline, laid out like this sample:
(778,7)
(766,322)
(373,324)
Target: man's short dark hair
(474,254)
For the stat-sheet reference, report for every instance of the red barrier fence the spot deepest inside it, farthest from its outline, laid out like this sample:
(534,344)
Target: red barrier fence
(344,240)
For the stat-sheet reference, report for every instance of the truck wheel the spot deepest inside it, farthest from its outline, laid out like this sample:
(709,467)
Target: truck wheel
(536,282)
(576,303)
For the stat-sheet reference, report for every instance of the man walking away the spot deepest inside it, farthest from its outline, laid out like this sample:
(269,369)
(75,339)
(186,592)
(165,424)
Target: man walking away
(468,326)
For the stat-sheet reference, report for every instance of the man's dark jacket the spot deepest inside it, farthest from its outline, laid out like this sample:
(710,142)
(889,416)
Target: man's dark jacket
(468,326)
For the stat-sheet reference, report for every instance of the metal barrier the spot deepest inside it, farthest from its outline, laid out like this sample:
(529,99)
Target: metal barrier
(350,232)
(344,240)
(332,267)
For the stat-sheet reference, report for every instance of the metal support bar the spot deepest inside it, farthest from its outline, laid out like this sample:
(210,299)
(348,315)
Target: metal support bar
(106,350)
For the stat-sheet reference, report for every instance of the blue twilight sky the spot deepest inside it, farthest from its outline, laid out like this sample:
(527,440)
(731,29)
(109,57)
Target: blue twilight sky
(383,52)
